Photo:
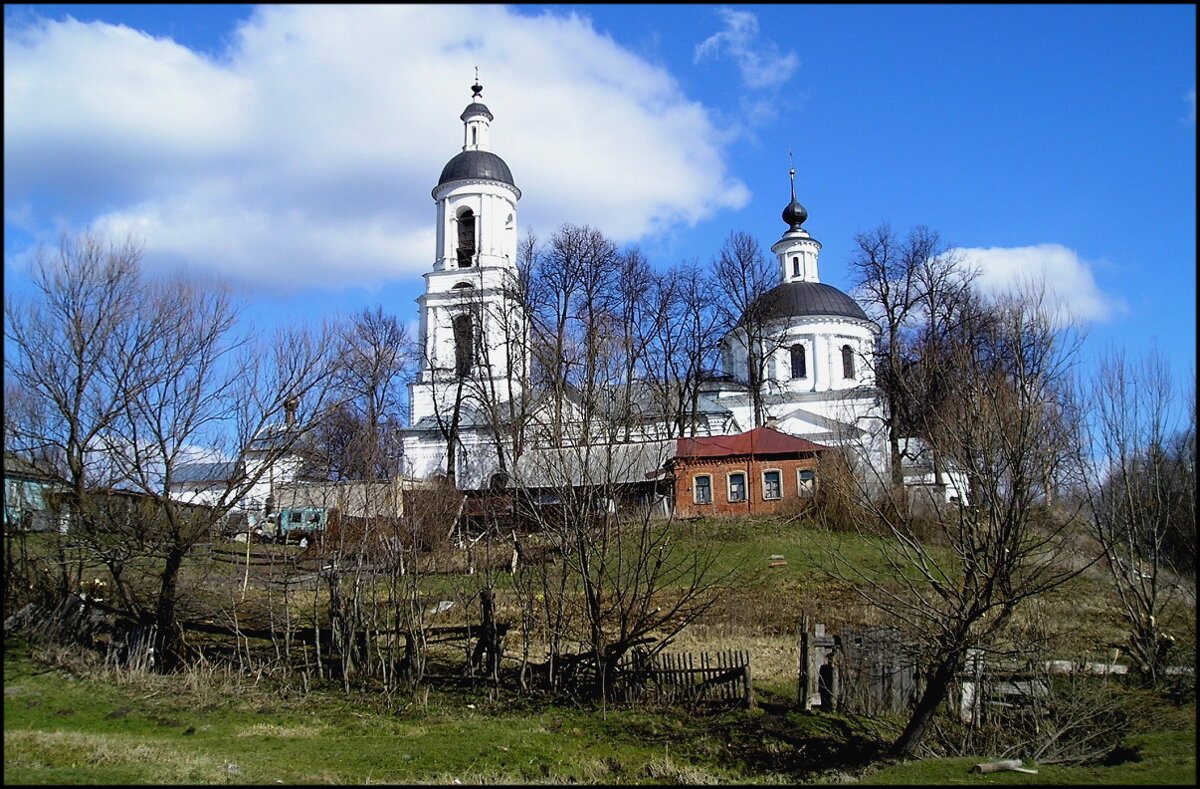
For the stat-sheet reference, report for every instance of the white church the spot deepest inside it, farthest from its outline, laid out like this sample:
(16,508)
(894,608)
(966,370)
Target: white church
(818,342)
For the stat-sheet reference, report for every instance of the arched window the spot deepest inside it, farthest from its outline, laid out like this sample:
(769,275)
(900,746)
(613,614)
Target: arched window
(462,286)
(464,345)
(474,136)
(466,238)
(799,365)
(847,362)
(795,267)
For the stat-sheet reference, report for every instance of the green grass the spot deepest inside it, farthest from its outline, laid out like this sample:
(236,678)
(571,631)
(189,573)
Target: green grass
(74,726)
(64,728)
(1162,759)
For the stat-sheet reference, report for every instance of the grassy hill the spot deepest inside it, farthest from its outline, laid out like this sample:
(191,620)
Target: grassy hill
(70,720)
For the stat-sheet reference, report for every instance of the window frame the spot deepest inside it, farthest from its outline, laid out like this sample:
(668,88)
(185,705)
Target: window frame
(464,256)
(729,487)
(801,488)
(696,488)
(464,343)
(779,477)
(803,361)
(848,366)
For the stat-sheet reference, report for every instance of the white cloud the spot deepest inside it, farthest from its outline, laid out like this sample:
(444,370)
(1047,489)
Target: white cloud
(304,155)
(1067,277)
(760,61)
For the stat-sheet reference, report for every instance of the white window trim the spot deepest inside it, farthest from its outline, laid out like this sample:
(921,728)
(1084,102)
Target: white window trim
(765,472)
(729,488)
(696,489)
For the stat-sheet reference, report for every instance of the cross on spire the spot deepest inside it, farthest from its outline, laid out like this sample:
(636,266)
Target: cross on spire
(792,174)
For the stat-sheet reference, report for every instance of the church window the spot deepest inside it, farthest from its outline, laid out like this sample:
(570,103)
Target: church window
(464,345)
(737,486)
(806,481)
(462,286)
(795,267)
(466,238)
(799,364)
(847,361)
(474,136)
(772,484)
(702,489)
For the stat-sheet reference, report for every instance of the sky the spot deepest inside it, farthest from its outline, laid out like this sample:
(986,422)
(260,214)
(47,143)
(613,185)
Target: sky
(290,151)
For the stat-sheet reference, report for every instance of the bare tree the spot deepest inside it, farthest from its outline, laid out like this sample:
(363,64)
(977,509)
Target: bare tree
(360,436)
(959,571)
(919,293)
(76,341)
(1140,481)
(743,275)
(680,342)
(132,376)
(622,583)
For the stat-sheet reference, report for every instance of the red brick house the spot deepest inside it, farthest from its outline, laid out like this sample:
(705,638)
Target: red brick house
(759,471)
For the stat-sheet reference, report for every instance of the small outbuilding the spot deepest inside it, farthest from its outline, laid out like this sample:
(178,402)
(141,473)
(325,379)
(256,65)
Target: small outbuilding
(760,471)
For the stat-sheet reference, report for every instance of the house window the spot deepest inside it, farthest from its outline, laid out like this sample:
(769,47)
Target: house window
(799,364)
(464,345)
(772,484)
(847,362)
(466,238)
(737,486)
(806,481)
(702,489)
(294,517)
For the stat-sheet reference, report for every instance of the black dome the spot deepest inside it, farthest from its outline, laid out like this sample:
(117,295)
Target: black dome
(794,214)
(796,299)
(476,164)
(475,108)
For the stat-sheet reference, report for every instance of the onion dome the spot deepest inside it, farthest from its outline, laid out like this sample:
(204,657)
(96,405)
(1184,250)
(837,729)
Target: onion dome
(794,214)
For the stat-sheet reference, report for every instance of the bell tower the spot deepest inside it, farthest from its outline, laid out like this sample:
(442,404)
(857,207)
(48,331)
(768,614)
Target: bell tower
(473,328)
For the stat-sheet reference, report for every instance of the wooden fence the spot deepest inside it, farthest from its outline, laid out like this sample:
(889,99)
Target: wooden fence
(862,670)
(720,678)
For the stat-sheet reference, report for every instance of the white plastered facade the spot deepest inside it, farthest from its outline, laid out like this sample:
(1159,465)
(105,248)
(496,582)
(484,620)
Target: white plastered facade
(825,404)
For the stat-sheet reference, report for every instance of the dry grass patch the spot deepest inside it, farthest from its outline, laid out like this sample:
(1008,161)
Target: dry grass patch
(273,730)
(42,750)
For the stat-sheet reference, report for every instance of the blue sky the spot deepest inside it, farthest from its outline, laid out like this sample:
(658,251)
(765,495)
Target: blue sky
(290,151)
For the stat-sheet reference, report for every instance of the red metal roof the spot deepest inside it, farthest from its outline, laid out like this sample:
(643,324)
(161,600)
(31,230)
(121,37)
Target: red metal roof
(759,441)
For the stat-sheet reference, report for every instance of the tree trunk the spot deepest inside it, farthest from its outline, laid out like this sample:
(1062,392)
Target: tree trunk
(170,637)
(937,686)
